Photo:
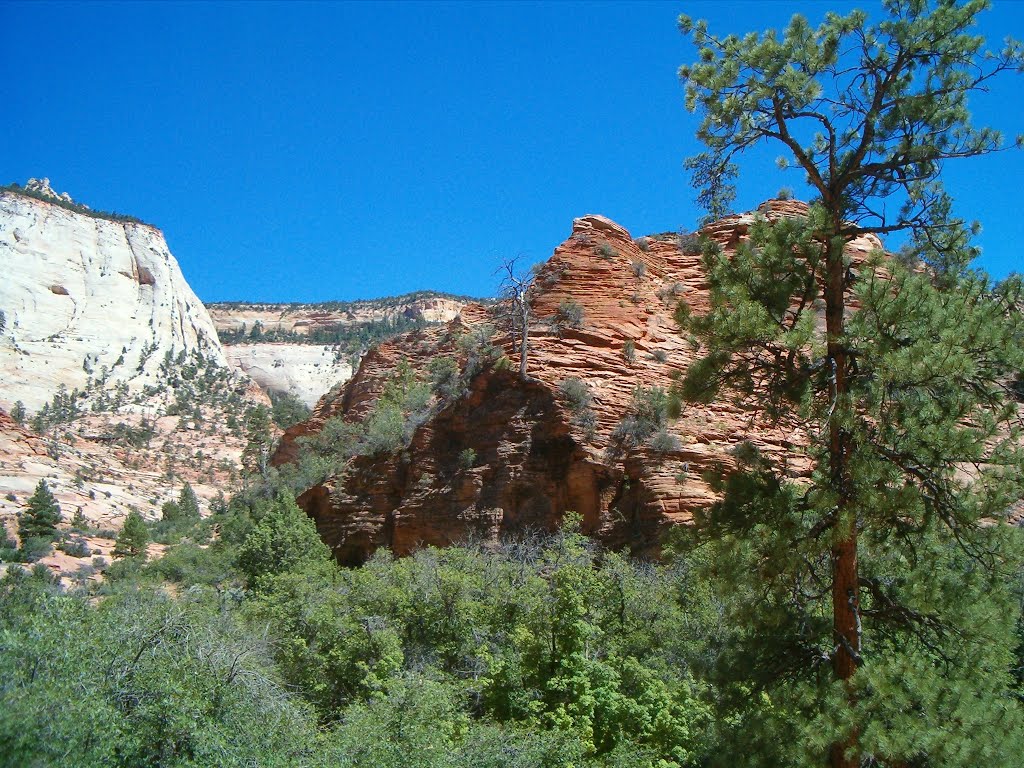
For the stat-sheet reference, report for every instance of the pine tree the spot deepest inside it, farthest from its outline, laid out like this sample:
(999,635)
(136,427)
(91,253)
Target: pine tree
(188,503)
(40,518)
(134,536)
(902,396)
(259,441)
(18,413)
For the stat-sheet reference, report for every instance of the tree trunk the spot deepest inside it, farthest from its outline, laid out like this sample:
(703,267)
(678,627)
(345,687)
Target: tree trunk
(524,338)
(845,582)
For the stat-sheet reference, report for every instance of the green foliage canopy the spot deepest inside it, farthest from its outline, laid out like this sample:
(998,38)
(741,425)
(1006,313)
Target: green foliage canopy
(914,444)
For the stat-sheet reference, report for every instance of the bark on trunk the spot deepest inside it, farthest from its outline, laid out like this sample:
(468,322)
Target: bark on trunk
(524,338)
(845,583)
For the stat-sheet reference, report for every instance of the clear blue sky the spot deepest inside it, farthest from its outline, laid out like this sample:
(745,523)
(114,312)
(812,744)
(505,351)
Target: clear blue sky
(309,152)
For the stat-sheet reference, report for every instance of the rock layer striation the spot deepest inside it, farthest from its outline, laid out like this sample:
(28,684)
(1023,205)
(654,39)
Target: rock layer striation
(533,456)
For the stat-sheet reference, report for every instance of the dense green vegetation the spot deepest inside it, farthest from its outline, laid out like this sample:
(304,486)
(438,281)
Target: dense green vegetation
(245,642)
(544,653)
(287,410)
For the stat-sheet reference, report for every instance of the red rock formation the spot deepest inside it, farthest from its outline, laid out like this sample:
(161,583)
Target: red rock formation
(532,462)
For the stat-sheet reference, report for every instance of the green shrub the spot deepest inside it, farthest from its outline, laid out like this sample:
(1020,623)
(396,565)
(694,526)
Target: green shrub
(9,552)
(648,413)
(576,393)
(629,351)
(690,244)
(569,314)
(663,441)
(385,430)
(287,410)
(170,512)
(467,458)
(639,268)
(606,250)
(578,399)
(476,346)
(75,546)
(284,539)
(445,377)
(34,548)
(18,413)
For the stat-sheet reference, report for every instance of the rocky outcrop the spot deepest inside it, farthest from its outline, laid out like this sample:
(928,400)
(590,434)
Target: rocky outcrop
(305,349)
(533,458)
(83,294)
(42,187)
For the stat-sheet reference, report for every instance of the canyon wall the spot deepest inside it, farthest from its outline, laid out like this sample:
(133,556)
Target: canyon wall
(82,294)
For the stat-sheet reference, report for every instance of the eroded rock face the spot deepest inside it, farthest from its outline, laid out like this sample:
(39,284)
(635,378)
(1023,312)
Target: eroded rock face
(534,460)
(80,294)
(102,307)
(306,371)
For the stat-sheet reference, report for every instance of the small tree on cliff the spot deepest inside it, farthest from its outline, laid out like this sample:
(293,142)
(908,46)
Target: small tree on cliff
(515,289)
(40,518)
(898,399)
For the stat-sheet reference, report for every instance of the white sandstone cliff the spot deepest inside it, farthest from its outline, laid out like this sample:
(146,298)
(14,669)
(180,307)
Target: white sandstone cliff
(80,294)
(306,371)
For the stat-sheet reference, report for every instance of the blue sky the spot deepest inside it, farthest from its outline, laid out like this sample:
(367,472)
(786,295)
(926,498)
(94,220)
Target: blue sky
(310,152)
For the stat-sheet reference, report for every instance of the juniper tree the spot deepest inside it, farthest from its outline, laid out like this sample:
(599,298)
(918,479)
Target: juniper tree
(913,439)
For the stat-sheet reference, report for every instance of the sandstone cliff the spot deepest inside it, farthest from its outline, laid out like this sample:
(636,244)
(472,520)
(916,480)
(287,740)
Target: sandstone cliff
(306,319)
(306,371)
(81,294)
(305,349)
(117,365)
(533,457)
